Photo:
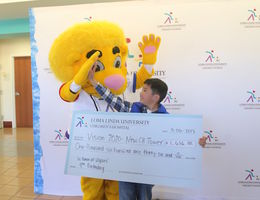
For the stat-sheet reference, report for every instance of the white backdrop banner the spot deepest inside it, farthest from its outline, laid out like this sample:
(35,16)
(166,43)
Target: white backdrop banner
(209,57)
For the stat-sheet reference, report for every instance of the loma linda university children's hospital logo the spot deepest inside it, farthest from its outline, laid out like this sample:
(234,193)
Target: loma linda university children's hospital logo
(81,122)
(211,61)
(250,179)
(60,138)
(170,23)
(88,19)
(252,101)
(213,141)
(252,20)
(171,103)
(138,58)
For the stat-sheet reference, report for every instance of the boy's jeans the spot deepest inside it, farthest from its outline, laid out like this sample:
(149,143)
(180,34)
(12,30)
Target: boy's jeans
(134,191)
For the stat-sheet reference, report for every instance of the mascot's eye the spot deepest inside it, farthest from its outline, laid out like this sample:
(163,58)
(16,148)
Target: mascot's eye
(117,63)
(100,66)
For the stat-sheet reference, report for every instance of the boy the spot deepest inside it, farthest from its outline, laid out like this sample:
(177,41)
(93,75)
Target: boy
(153,92)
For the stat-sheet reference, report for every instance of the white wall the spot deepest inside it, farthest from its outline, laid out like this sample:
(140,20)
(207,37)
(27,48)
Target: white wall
(18,46)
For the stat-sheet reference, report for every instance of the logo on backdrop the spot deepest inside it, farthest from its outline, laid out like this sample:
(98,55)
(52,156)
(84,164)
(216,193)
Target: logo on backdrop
(137,58)
(60,138)
(47,70)
(251,100)
(128,41)
(171,103)
(252,15)
(170,22)
(160,74)
(251,175)
(250,178)
(252,19)
(157,73)
(211,61)
(169,18)
(88,19)
(169,98)
(58,135)
(213,141)
(81,122)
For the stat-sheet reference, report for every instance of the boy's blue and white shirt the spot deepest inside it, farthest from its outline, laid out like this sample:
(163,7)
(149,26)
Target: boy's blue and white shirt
(115,101)
(124,106)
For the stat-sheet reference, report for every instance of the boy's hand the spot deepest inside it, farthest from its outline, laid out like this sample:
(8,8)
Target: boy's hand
(149,48)
(91,75)
(202,141)
(81,77)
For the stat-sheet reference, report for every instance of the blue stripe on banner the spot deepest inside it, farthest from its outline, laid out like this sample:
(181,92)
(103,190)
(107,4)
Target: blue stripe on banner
(38,180)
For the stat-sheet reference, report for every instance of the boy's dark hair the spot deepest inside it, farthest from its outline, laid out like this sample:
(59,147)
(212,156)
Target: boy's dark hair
(158,87)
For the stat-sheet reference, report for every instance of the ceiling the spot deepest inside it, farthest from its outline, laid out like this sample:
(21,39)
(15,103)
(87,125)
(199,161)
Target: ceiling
(11,9)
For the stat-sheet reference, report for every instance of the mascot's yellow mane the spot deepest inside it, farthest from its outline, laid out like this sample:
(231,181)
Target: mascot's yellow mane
(70,49)
(75,51)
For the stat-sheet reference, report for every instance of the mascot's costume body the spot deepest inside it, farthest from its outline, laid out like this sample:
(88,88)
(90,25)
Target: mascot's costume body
(71,57)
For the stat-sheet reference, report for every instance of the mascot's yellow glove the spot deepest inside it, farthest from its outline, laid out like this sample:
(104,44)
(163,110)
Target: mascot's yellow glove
(81,77)
(70,90)
(149,48)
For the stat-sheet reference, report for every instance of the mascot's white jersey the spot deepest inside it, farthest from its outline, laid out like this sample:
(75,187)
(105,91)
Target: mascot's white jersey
(91,103)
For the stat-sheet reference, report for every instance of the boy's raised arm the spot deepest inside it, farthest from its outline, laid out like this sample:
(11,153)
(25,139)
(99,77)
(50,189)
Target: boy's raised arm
(115,101)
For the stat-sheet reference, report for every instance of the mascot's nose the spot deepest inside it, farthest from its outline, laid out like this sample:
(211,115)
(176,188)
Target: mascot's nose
(114,82)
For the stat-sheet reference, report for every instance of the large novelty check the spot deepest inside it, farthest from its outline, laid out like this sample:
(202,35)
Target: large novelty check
(159,149)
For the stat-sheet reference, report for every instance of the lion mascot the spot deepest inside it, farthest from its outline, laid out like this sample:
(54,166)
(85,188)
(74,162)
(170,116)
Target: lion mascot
(73,54)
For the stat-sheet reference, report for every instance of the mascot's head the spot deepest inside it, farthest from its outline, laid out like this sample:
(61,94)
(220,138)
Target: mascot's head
(74,47)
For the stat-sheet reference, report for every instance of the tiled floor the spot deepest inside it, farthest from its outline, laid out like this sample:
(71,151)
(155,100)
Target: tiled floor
(16,166)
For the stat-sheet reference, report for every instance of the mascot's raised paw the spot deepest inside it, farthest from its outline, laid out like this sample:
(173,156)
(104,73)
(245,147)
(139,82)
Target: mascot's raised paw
(81,77)
(149,48)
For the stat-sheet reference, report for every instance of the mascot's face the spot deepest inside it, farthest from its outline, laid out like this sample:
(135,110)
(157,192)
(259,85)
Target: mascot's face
(76,45)
(111,70)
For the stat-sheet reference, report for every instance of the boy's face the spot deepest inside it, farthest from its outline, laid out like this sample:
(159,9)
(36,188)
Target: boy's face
(147,97)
